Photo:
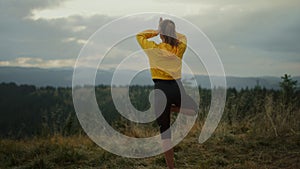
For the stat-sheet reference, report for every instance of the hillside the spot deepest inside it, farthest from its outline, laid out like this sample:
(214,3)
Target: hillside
(229,148)
(39,129)
(63,78)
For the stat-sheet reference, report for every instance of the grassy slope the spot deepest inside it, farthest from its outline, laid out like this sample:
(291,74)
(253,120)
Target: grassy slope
(228,148)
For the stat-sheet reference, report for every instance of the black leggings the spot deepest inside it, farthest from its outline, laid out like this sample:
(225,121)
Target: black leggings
(171,89)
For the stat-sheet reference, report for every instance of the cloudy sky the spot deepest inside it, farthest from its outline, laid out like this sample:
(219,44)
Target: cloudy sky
(253,38)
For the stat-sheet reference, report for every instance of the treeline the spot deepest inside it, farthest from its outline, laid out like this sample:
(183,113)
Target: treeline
(265,112)
(28,111)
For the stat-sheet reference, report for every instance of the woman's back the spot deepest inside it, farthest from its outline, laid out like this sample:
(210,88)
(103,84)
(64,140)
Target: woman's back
(165,60)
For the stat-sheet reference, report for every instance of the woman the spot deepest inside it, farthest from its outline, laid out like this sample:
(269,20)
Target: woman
(165,61)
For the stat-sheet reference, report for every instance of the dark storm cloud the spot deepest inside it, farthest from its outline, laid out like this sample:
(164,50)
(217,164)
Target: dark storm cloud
(47,39)
(17,8)
(269,30)
(245,33)
(274,29)
(254,37)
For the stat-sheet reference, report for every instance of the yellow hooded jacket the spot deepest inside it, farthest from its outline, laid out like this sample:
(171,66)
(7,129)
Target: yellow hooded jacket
(165,60)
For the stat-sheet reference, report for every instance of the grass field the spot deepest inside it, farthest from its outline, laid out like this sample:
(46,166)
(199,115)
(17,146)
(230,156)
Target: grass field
(230,147)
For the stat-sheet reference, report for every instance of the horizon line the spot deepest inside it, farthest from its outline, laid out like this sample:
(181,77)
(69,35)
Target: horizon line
(111,69)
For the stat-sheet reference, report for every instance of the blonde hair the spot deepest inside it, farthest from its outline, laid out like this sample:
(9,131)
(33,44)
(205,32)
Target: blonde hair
(167,31)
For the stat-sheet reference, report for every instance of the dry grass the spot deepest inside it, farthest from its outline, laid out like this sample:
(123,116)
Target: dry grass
(230,147)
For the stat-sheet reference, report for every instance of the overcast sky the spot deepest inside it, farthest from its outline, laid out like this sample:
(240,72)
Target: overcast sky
(253,38)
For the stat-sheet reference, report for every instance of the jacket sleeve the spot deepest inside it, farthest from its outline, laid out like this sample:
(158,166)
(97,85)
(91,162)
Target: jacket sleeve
(182,42)
(143,37)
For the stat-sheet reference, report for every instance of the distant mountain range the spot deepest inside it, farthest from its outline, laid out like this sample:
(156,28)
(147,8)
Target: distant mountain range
(63,78)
